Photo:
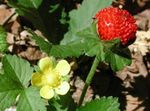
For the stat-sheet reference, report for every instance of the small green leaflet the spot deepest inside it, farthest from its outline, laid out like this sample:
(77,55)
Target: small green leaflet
(9,90)
(14,83)
(30,100)
(3,42)
(17,69)
(102,104)
(118,58)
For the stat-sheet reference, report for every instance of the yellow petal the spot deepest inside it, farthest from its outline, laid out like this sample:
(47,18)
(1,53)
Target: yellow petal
(36,79)
(63,67)
(45,63)
(63,88)
(46,92)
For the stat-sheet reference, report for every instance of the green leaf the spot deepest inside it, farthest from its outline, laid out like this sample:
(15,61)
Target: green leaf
(102,104)
(91,40)
(30,100)
(98,50)
(107,51)
(17,69)
(82,29)
(72,49)
(118,58)
(3,42)
(87,39)
(89,32)
(82,17)
(13,84)
(9,90)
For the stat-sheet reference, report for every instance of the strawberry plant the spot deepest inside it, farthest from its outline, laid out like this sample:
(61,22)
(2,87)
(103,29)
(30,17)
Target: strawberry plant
(94,29)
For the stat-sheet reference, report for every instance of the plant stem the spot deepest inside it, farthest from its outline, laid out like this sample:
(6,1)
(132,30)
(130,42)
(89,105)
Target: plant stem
(89,79)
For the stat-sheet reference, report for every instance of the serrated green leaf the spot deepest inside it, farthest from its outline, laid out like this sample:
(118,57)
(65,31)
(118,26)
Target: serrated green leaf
(9,90)
(118,58)
(75,48)
(107,51)
(17,69)
(81,27)
(13,84)
(82,17)
(3,42)
(16,75)
(30,100)
(102,104)
(72,49)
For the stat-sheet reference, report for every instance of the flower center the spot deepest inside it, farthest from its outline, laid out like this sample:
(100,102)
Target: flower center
(52,79)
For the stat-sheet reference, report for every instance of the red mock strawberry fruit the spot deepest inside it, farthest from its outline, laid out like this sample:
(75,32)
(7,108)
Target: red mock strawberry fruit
(115,23)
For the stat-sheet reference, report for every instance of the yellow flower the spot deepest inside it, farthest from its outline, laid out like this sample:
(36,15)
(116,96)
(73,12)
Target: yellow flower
(50,77)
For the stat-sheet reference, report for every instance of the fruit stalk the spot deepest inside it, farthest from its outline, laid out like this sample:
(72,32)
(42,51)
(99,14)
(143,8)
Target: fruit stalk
(89,79)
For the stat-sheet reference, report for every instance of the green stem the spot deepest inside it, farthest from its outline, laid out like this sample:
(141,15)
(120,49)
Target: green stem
(89,79)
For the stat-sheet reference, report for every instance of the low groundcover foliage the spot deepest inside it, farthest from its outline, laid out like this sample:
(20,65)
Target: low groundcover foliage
(46,87)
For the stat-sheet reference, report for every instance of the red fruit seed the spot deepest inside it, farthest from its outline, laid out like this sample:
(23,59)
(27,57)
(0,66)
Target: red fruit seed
(116,23)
